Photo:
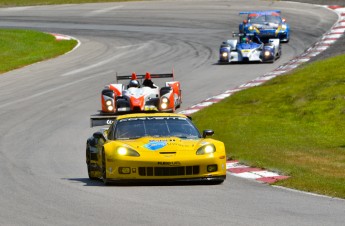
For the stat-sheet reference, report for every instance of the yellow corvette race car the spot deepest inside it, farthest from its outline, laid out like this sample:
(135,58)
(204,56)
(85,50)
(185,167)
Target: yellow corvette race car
(153,147)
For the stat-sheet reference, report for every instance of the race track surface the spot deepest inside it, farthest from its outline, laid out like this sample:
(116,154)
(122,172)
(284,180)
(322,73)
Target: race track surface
(45,109)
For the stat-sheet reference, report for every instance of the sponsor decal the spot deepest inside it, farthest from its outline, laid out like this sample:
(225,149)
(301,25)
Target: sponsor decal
(169,163)
(150,108)
(152,118)
(155,145)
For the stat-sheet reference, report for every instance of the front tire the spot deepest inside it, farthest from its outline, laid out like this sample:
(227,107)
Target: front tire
(104,170)
(90,172)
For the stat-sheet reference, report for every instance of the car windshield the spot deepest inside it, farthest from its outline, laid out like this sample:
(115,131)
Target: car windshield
(133,128)
(263,19)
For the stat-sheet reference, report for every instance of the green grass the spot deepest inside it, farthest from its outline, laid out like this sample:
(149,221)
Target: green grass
(19,48)
(8,3)
(293,124)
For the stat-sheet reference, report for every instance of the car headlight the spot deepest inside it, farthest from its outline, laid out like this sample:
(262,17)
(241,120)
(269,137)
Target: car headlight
(267,53)
(224,54)
(250,28)
(108,103)
(164,102)
(284,27)
(206,149)
(126,151)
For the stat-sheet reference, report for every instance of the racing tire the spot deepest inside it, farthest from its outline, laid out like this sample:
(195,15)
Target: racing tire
(179,99)
(91,173)
(279,51)
(104,170)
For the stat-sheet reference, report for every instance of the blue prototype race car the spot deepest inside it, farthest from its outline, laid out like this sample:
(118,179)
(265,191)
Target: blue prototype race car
(266,24)
(249,48)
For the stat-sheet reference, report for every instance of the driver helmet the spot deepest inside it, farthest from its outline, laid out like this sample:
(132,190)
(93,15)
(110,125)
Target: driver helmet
(133,83)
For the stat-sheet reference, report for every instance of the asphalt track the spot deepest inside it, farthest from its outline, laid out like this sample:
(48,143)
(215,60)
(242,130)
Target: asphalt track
(45,108)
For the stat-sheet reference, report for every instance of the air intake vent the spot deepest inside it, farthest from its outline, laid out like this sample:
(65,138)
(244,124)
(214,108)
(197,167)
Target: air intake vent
(169,171)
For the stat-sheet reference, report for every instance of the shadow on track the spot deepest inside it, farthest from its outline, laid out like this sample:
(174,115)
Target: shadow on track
(88,182)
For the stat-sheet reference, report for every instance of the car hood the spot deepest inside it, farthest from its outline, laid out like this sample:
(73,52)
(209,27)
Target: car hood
(266,26)
(243,46)
(165,144)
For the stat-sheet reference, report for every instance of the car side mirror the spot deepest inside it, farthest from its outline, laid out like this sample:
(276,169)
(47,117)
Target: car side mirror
(93,142)
(98,135)
(207,132)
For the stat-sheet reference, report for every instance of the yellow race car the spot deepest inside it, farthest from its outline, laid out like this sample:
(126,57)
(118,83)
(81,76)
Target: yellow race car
(153,147)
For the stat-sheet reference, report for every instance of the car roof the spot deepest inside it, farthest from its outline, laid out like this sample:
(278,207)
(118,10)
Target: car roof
(138,115)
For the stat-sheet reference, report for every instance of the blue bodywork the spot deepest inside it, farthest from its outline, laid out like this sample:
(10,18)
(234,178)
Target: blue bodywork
(265,24)
(252,45)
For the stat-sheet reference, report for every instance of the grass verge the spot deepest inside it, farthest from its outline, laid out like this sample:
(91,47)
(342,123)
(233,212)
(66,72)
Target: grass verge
(293,124)
(23,47)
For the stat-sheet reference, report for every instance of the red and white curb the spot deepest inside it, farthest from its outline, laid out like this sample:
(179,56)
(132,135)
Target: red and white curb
(258,174)
(325,42)
(60,37)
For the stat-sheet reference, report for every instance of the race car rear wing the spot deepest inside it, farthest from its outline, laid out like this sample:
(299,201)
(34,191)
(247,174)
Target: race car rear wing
(127,77)
(102,120)
(266,12)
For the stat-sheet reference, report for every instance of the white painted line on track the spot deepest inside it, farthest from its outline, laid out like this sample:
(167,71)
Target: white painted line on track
(308,193)
(55,88)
